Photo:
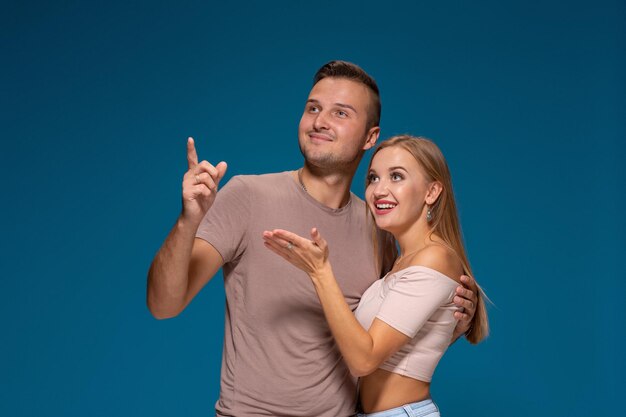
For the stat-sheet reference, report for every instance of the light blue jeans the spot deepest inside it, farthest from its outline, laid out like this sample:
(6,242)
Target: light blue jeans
(426,408)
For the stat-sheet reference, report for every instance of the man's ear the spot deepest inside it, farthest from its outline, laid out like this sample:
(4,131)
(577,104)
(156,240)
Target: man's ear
(372,137)
(434,191)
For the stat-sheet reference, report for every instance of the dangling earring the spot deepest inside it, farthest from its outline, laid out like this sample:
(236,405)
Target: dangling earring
(429,215)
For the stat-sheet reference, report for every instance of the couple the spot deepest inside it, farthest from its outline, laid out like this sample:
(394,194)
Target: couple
(291,348)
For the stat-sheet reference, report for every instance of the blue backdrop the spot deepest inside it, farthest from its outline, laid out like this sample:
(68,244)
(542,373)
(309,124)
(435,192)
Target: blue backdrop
(526,99)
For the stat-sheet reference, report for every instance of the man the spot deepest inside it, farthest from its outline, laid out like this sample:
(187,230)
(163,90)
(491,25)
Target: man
(279,356)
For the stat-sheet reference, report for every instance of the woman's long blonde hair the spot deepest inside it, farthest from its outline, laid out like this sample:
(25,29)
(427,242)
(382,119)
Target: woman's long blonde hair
(443,223)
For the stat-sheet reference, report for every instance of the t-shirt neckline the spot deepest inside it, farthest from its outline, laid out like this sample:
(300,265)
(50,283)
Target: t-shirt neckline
(307,196)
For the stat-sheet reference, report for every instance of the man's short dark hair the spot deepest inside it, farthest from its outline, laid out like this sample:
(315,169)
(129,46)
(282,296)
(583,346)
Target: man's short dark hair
(350,71)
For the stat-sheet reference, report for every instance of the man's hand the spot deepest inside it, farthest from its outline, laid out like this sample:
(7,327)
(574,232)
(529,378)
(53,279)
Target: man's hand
(199,184)
(466,300)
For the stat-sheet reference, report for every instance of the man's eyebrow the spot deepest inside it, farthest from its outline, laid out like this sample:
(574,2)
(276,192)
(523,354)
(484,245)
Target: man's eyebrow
(345,106)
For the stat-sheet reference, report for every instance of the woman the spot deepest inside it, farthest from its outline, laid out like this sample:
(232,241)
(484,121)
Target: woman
(404,321)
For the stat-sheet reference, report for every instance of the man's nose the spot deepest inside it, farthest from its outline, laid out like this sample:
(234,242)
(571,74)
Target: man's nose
(321,121)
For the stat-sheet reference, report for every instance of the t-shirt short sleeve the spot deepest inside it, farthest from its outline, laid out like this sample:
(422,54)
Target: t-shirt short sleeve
(226,223)
(413,298)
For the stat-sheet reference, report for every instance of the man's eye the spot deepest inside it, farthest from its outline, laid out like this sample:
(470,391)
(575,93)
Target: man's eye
(313,109)
(342,113)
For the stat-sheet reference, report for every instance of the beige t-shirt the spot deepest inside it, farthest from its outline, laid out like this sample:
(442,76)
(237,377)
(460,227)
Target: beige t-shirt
(416,301)
(279,355)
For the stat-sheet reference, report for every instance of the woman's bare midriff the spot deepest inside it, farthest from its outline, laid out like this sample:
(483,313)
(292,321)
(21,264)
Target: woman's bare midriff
(382,390)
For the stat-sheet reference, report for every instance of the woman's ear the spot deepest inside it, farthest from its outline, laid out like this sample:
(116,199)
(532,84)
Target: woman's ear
(434,190)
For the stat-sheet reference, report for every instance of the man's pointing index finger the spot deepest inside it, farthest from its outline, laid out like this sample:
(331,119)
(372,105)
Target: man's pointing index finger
(192,156)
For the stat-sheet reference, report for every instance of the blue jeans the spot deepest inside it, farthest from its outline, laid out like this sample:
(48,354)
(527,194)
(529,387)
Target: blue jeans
(420,409)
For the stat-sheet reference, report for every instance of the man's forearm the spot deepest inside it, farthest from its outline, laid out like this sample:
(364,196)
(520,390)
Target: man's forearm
(168,278)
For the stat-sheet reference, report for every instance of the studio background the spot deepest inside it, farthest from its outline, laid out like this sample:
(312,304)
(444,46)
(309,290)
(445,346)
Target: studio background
(526,99)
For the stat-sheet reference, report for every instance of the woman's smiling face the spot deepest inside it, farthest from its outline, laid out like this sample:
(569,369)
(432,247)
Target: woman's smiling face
(397,189)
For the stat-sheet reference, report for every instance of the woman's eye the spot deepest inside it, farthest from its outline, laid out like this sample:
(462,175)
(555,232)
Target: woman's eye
(396,177)
(371,178)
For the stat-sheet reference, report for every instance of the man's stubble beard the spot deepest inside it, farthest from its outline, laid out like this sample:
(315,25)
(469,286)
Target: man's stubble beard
(330,163)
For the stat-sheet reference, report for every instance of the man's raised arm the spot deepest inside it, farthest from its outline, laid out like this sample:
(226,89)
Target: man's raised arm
(185,264)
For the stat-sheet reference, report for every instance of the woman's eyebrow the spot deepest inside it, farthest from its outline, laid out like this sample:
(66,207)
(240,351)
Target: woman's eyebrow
(398,167)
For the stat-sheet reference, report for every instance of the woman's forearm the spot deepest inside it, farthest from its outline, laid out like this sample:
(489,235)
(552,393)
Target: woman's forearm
(354,342)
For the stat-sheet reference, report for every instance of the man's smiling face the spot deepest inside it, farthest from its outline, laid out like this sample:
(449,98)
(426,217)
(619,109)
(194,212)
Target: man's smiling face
(333,130)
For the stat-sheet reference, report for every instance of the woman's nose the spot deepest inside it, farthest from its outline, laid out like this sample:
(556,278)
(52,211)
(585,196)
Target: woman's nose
(380,188)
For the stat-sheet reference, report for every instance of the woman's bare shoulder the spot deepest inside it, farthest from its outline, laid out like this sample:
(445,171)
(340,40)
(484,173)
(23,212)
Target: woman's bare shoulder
(440,258)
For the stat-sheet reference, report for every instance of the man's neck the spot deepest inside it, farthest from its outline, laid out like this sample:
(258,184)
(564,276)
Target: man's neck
(331,189)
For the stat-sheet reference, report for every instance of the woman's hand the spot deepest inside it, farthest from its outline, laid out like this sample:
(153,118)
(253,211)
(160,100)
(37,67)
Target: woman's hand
(311,256)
